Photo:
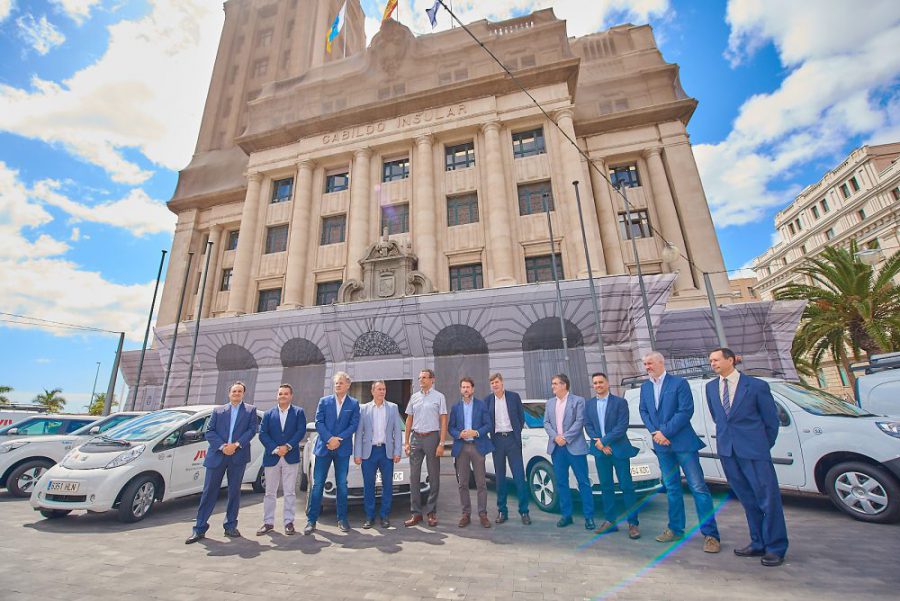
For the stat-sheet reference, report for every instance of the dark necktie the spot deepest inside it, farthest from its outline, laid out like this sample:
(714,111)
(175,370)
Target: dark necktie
(726,397)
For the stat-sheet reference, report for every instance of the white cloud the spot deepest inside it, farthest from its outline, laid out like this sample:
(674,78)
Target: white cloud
(77,10)
(6,7)
(76,234)
(146,92)
(841,66)
(38,280)
(40,34)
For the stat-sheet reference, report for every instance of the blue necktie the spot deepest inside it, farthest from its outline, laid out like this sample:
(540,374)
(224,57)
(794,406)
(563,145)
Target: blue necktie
(726,397)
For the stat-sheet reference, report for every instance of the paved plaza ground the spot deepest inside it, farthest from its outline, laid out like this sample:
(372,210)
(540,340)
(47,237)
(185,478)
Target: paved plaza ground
(94,557)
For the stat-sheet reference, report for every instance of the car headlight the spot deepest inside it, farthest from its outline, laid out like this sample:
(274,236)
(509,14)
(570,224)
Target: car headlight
(889,428)
(126,457)
(12,445)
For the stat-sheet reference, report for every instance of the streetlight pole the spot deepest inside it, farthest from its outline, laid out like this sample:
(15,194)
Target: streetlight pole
(137,380)
(714,309)
(111,390)
(559,306)
(187,386)
(594,299)
(94,387)
(637,262)
(187,273)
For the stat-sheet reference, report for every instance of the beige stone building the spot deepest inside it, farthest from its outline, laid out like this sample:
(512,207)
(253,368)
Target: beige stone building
(744,289)
(305,157)
(857,200)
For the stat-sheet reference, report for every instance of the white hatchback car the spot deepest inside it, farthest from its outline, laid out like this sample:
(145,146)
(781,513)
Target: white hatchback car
(24,460)
(539,468)
(824,445)
(155,457)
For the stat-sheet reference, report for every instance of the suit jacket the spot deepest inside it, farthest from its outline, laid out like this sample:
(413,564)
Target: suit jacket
(751,427)
(616,423)
(514,408)
(272,436)
(393,434)
(329,423)
(217,433)
(481,421)
(573,425)
(673,418)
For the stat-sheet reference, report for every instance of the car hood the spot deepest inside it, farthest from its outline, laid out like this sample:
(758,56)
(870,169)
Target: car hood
(79,460)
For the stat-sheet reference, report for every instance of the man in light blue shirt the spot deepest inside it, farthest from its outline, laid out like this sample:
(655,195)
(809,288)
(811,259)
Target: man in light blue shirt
(470,423)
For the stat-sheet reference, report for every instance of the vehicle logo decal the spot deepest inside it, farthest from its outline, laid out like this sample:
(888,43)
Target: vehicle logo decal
(201,454)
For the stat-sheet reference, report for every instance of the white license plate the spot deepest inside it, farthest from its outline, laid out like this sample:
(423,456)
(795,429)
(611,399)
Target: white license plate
(61,486)
(640,470)
(398,477)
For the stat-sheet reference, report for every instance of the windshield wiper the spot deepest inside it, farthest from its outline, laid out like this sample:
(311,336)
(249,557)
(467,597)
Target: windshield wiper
(116,441)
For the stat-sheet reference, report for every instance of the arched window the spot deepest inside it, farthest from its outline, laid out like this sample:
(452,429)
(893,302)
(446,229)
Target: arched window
(542,349)
(234,362)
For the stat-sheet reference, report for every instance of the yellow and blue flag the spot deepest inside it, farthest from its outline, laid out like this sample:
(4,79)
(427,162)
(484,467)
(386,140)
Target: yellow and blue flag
(335,27)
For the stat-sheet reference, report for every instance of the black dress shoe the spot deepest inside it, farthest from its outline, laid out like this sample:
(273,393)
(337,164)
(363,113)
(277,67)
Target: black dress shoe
(771,560)
(344,526)
(289,529)
(749,551)
(385,523)
(526,519)
(564,521)
(195,537)
(589,524)
(264,528)
(310,528)
(233,533)
(368,524)
(501,517)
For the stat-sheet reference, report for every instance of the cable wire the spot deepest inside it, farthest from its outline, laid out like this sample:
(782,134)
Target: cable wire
(59,324)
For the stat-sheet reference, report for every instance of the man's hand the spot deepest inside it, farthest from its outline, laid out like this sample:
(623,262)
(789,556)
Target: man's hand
(598,444)
(396,458)
(406,448)
(560,440)
(659,438)
(333,443)
(469,434)
(440,449)
(607,450)
(229,448)
(282,450)
(357,460)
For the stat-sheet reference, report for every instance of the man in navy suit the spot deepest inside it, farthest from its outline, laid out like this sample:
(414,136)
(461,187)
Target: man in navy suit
(282,428)
(564,423)
(230,430)
(469,426)
(666,409)
(337,417)
(377,447)
(508,417)
(606,424)
(746,428)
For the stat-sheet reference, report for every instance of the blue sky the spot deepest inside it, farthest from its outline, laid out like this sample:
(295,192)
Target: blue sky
(100,102)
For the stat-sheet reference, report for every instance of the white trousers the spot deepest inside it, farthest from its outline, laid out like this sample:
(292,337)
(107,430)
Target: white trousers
(285,475)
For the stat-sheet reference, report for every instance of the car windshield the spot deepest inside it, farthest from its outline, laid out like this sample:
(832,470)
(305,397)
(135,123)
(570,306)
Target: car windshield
(534,414)
(816,401)
(147,427)
(104,424)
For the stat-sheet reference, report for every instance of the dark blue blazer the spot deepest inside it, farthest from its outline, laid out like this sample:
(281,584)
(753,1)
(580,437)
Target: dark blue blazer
(751,427)
(673,419)
(217,433)
(481,421)
(514,408)
(616,422)
(272,436)
(329,423)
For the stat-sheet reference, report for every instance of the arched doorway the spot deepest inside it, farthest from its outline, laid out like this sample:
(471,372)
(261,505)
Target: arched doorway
(304,370)
(234,362)
(460,350)
(542,350)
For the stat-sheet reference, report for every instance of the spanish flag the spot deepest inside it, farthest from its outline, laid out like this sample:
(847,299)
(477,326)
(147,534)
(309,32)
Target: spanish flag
(388,10)
(335,28)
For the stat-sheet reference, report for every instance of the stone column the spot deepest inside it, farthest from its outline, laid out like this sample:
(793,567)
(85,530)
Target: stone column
(297,244)
(184,233)
(212,278)
(609,220)
(424,240)
(358,219)
(669,223)
(571,160)
(500,242)
(243,259)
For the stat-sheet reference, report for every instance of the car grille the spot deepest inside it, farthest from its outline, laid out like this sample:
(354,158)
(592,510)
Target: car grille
(67,498)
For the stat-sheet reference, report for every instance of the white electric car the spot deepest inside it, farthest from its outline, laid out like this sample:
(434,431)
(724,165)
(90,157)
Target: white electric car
(155,457)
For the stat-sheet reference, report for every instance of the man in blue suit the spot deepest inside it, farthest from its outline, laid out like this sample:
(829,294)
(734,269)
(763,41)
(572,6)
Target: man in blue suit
(508,418)
(746,428)
(377,447)
(469,426)
(666,409)
(337,417)
(230,430)
(564,423)
(282,428)
(606,424)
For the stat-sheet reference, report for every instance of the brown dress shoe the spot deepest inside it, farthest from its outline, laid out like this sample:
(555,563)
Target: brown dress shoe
(465,520)
(413,520)
(633,532)
(432,519)
(264,528)
(485,522)
(289,529)
(711,545)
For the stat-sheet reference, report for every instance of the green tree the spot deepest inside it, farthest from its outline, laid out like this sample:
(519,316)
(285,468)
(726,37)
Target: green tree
(51,399)
(852,308)
(4,400)
(96,407)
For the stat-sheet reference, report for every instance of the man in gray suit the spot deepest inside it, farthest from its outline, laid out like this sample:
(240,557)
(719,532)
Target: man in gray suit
(377,447)
(564,423)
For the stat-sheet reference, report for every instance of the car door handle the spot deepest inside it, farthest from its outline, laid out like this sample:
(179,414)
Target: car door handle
(713,436)
(702,435)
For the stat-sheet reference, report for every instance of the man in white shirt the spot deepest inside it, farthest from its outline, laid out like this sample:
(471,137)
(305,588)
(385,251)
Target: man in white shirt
(505,406)
(377,447)
(281,430)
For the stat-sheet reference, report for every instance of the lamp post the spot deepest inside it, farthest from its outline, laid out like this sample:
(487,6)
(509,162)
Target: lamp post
(594,300)
(94,387)
(559,307)
(637,263)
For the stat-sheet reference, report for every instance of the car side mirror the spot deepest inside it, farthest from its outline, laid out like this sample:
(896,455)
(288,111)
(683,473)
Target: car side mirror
(310,427)
(192,436)
(94,430)
(12,431)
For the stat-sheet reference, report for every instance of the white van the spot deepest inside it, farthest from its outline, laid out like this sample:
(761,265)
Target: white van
(156,457)
(878,389)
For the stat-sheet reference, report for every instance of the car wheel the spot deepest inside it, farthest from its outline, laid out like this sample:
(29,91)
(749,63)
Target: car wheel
(259,485)
(542,484)
(137,499)
(54,514)
(863,491)
(21,480)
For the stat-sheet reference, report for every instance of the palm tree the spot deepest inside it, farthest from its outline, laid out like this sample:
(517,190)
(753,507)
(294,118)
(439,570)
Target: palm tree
(96,407)
(851,308)
(4,400)
(51,399)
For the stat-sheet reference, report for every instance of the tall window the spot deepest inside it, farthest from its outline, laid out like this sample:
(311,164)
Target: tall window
(791,229)
(260,67)
(232,240)
(282,189)
(896,193)
(327,292)
(226,280)
(825,206)
(528,143)
(276,239)
(815,212)
(829,233)
(845,381)
(395,218)
(462,209)
(268,300)
(531,197)
(460,156)
(333,229)
(626,175)
(264,39)
(639,227)
(799,225)
(845,190)
(466,277)
(820,376)
(861,214)
(854,184)
(336,182)
(395,170)
(540,269)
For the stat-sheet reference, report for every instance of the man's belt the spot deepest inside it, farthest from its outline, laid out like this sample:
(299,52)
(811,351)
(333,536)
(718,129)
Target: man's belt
(421,434)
